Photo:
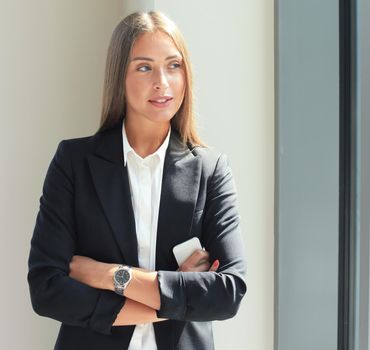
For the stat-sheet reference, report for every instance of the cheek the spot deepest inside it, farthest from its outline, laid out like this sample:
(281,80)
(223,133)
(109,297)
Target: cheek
(134,89)
(178,83)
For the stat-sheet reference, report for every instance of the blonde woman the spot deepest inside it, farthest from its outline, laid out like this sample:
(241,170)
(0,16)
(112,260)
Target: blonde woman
(114,205)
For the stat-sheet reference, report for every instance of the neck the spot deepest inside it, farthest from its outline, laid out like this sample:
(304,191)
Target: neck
(145,138)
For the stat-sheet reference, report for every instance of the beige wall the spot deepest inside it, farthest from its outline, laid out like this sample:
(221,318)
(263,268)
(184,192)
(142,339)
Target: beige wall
(51,68)
(52,56)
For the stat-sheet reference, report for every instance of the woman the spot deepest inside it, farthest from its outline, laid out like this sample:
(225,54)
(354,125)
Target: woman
(116,203)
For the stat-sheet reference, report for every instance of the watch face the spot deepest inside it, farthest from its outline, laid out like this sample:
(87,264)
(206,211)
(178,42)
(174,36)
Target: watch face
(122,276)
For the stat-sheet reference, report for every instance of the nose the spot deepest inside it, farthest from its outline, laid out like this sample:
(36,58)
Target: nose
(161,81)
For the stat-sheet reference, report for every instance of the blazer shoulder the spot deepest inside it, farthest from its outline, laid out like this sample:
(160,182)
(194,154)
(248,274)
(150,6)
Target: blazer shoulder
(71,152)
(81,143)
(79,146)
(210,158)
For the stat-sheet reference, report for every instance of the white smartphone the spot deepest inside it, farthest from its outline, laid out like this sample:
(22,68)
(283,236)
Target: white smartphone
(183,250)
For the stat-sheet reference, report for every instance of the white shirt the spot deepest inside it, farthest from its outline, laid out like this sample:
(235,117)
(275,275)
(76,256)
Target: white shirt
(145,178)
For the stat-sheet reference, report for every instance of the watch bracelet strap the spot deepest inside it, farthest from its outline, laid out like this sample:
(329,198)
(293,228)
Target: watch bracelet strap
(119,290)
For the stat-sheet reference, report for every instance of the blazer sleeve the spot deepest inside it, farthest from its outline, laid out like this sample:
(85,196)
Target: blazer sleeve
(207,296)
(53,293)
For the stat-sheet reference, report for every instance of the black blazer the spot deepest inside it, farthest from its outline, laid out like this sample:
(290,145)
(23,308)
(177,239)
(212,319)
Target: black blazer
(86,209)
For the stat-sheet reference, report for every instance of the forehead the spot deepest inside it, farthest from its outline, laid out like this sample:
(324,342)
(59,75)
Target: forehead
(154,44)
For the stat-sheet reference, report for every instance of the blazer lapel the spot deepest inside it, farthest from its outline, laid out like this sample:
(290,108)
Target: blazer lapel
(111,182)
(180,186)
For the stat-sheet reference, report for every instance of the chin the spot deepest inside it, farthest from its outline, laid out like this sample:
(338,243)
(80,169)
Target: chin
(161,117)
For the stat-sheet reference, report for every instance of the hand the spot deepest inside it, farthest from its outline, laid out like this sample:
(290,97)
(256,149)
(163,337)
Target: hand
(198,262)
(91,272)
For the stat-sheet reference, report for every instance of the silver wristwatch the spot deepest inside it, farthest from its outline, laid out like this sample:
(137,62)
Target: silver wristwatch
(121,278)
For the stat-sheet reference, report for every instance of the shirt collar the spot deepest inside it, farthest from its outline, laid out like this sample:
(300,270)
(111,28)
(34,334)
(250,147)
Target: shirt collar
(161,151)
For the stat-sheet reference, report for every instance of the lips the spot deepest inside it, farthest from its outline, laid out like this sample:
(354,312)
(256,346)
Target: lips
(161,102)
(161,99)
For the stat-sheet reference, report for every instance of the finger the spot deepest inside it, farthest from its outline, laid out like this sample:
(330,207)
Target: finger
(201,261)
(202,267)
(215,265)
(197,256)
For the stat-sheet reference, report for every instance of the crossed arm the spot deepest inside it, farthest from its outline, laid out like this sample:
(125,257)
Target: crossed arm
(142,294)
(75,294)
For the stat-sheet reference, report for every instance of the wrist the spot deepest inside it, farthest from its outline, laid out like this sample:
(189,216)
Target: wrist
(107,276)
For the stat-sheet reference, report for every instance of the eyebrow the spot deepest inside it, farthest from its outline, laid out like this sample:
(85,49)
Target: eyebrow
(142,58)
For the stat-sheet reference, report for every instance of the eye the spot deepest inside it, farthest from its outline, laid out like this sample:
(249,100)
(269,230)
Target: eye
(143,69)
(175,65)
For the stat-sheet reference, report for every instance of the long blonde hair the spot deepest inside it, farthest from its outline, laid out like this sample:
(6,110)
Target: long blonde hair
(123,38)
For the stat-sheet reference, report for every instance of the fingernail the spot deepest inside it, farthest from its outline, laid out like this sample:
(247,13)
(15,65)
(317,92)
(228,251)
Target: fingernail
(216,263)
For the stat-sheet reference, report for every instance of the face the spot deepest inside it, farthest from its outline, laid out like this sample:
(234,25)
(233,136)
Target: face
(155,80)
